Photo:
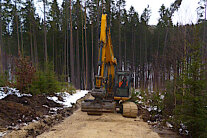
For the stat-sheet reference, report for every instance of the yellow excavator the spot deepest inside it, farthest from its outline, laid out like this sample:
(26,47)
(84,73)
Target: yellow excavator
(112,90)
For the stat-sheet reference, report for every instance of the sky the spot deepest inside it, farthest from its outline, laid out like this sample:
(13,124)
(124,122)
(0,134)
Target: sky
(187,13)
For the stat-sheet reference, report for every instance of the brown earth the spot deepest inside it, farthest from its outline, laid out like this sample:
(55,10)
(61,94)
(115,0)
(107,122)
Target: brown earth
(113,125)
(45,122)
(78,125)
(15,110)
(108,125)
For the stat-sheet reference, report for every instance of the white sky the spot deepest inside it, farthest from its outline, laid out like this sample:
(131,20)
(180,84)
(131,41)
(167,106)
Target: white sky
(186,14)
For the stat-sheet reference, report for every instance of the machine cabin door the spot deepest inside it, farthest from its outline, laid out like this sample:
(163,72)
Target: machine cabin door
(122,85)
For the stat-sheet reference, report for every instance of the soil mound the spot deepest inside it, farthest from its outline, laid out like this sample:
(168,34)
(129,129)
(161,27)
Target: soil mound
(14,110)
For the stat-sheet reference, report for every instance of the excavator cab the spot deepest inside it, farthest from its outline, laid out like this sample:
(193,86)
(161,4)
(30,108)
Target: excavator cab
(122,85)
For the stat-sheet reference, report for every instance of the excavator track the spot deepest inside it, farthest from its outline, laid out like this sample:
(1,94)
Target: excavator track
(130,109)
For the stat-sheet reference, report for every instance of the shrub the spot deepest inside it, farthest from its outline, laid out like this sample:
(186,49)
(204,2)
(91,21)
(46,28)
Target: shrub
(3,79)
(134,96)
(69,88)
(45,82)
(169,100)
(24,73)
(65,86)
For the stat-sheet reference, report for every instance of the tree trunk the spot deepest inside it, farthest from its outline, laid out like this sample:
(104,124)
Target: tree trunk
(22,42)
(16,18)
(133,55)
(83,56)
(35,47)
(145,63)
(78,50)
(120,61)
(56,54)
(92,74)
(86,50)
(71,47)
(67,42)
(175,82)
(53,50)
(45,33)
(77,61)
(140,63)
(1,67)
(65,60)
(31,46)
(134,60)
(97,38)
(125,49)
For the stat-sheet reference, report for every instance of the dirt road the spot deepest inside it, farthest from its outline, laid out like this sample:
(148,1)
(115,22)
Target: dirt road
(80,125)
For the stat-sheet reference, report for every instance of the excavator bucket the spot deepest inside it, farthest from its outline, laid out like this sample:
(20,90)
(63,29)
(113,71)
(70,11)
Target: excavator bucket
(98,105)
(92,107)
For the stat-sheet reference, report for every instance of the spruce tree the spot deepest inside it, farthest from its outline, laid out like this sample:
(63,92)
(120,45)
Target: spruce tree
(192,110)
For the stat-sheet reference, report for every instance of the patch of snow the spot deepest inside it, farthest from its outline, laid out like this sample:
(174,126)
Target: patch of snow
(155,108)
(183,126)
(162,97)
(140,97)
(2,134)
(140,102)
(180,130)
(150,100)
(149,109)
(45,106)
(187,132)
(183,130)
(54,110)
(11,91)
(151,91)
(169,125)
(68,99)
(34,121)
(17,127)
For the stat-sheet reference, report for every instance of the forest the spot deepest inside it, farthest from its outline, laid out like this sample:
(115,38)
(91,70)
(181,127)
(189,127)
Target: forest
(165,58)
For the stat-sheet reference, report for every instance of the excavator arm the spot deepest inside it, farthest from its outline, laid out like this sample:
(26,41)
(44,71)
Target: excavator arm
(104,80)
(106,61)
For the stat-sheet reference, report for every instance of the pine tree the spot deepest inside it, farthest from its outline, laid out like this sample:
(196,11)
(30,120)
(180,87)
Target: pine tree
(54,31)
(192,111)
(71,46)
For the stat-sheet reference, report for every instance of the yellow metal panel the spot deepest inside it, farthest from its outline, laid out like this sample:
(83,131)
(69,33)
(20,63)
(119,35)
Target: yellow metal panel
(109,50)
(103,59)
(103,28)
(121,98)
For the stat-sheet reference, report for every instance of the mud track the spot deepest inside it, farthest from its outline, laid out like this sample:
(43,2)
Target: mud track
(81,125)
(113,125)
(108,125)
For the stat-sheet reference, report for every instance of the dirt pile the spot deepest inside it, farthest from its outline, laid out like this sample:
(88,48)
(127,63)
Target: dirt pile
(15,110)
(48,113)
